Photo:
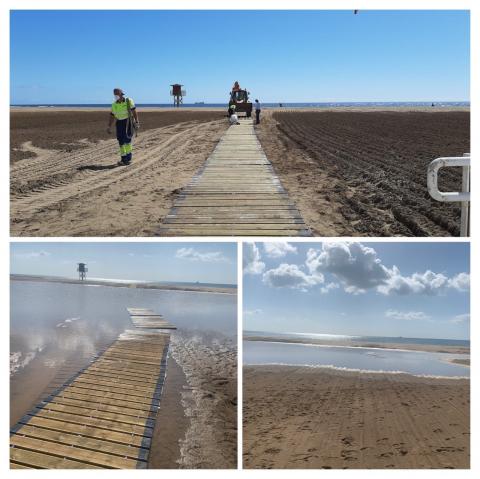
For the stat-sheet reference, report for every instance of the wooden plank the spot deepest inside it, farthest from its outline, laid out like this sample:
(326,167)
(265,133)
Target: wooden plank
(14,465)
(91,458)
(37,460)
(238,221)
(231,232)
(107,399)
(87,388)
(87,431)
(101,406)
(244,227)
(94,383)
(118,378)
(95,422)
(131,452)
(94,413)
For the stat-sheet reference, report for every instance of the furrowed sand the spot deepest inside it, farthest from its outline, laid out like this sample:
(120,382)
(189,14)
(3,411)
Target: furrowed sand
(350,171)
(303,417)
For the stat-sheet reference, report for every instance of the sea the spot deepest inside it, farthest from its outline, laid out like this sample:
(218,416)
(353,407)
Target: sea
(440,104)
(276,349)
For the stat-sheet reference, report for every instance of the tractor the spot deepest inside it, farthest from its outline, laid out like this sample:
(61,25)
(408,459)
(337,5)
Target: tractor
(239,98)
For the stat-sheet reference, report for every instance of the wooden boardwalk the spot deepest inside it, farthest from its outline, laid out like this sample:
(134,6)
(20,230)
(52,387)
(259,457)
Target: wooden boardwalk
(236,193)
(103,416)
(147,319)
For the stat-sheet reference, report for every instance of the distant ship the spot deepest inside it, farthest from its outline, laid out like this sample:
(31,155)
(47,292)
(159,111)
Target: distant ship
(199,103)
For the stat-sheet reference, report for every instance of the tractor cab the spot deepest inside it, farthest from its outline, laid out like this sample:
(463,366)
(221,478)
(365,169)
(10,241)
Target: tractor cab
(240,98)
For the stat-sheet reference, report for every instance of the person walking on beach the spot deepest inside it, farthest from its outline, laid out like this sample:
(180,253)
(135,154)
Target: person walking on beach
(126,122)
(258,109)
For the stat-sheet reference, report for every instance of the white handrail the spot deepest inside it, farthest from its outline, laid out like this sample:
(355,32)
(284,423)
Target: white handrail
(449,196)
(432,179)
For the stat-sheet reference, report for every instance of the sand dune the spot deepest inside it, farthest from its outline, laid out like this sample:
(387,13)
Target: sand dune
(312,418)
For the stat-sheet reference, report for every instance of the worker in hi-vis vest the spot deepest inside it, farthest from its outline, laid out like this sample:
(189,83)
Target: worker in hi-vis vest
(125,114)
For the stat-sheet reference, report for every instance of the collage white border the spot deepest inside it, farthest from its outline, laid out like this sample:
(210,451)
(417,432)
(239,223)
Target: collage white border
(7,5)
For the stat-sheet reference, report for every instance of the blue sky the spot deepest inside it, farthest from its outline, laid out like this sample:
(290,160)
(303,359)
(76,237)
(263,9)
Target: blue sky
(79,56)
(186,262)
(381,289)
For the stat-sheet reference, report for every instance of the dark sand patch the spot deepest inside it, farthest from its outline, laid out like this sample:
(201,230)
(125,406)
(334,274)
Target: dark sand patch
(356,173)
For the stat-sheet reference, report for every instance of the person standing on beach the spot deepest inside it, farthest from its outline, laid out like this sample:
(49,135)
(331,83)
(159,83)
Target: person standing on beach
(258,109)
(126,117)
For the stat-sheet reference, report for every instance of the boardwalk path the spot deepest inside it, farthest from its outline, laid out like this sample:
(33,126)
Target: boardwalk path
(103,417)
(236,193)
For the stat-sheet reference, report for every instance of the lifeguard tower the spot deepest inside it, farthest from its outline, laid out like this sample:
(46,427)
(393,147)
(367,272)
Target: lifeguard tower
(178,93)
(82,271)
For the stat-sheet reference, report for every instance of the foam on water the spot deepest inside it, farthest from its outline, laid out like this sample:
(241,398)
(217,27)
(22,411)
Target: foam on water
(361,371)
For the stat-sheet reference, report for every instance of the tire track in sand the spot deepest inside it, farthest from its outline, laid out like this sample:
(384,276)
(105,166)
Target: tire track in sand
(85,194)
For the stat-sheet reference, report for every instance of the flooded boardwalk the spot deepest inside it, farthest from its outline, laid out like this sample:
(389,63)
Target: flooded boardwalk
(236,193)
(103,416)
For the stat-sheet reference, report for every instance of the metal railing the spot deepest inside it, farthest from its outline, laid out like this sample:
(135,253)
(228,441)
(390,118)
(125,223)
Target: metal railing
(452,196)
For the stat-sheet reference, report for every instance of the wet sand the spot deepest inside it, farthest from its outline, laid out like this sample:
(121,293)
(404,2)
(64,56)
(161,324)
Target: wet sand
(171,424)
(300,417)
(209,400)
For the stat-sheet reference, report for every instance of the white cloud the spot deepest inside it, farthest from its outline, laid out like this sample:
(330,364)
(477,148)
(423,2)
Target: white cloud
(355,265)
(192,254)
(359,269)
(278,250)
(252,263)
(328,287)
(407,315)
(460,282)
(460,318)
(291,276)
(32,255)
(252,312)
(428,283)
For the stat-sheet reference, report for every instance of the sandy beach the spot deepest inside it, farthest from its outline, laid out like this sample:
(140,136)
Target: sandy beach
(350,171)
(300,417)
(65,180)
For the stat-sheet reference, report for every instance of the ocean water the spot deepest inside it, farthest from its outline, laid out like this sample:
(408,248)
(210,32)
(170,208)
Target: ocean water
(353,358)
(360,339)
(267,105)
(60,319)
